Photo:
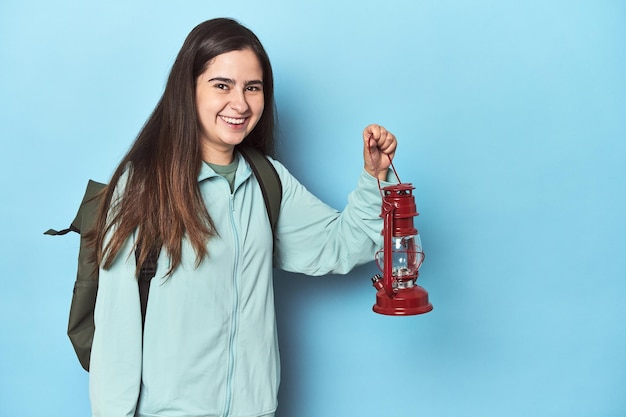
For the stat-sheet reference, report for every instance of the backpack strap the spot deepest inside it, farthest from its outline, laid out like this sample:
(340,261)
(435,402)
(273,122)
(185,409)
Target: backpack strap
(268,179)
(146,273)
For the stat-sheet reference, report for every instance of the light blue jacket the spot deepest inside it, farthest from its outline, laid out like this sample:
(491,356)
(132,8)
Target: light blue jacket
(210,345)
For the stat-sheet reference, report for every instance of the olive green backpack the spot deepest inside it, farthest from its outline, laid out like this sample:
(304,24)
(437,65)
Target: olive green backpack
(81,327)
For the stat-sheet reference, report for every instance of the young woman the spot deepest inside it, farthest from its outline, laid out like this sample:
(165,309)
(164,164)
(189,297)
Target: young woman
(209,346)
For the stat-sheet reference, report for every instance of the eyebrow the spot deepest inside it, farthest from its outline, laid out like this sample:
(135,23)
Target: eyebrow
(232,82)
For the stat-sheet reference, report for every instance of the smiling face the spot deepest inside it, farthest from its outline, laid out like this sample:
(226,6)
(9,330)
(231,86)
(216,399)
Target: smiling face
(229,102)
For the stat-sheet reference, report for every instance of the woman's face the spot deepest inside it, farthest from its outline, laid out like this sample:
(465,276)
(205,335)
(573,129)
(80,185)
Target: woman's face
(229,101)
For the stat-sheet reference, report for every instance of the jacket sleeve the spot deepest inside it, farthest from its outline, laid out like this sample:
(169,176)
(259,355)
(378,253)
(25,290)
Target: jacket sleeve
(116,353)
(314,239)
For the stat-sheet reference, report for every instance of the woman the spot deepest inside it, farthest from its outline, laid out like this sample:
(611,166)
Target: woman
(209,346)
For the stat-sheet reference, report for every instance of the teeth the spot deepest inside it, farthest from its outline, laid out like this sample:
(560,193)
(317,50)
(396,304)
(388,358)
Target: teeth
(232,120)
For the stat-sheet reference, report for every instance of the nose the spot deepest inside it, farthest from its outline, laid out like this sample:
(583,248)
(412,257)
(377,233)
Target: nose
(238,101)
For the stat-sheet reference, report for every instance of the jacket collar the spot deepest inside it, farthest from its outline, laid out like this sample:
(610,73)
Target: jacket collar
(242,174)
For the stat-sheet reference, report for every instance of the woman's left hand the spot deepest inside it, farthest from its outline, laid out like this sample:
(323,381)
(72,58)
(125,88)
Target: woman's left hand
(379,148)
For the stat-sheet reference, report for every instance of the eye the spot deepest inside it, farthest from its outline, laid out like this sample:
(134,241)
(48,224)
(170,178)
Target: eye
(221,86)
(254,87)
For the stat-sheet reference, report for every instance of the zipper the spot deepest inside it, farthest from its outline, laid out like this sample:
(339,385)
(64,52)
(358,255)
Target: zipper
(235,310)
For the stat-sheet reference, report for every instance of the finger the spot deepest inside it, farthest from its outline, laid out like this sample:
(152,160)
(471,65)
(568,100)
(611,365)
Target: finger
(372,132)
(388,144)
(384,139)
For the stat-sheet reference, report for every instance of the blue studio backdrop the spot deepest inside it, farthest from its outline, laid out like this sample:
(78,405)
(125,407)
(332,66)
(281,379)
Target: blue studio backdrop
(511,120)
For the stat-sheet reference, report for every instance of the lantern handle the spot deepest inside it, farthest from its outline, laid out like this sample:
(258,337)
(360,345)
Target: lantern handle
(369,142)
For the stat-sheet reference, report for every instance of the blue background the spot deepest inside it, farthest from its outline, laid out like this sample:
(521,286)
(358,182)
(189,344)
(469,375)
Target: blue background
(511,119)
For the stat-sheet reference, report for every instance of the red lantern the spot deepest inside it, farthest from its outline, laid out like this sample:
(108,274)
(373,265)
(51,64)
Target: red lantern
(401,256)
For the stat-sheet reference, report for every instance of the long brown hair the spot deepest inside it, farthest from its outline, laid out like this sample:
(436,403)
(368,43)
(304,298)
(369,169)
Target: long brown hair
(161,199)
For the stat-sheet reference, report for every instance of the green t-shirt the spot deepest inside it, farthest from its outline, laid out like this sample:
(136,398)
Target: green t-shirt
(227,171)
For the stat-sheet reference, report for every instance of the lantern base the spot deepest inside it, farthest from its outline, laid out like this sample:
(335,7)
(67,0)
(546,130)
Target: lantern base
(407,302)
